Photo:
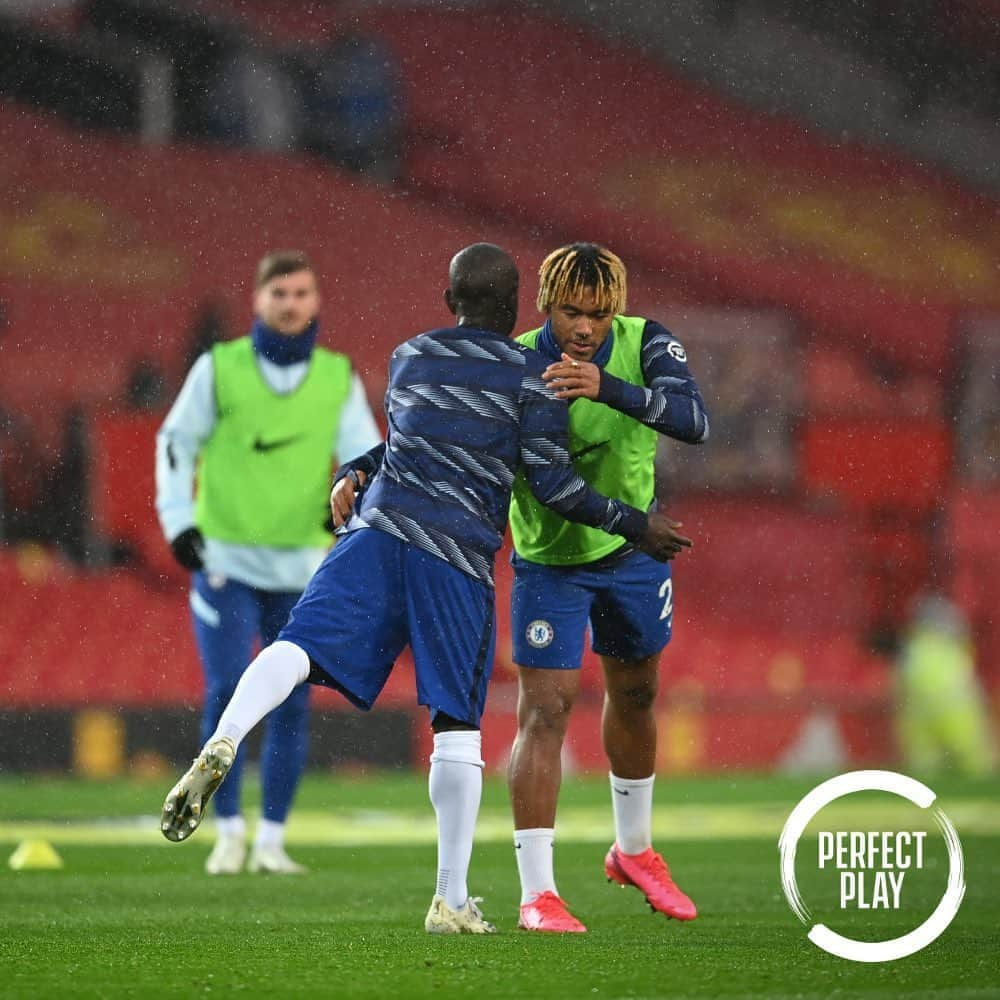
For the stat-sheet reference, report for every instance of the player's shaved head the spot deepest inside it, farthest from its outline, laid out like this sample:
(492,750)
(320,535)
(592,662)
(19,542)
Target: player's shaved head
(482,269)
(482,288)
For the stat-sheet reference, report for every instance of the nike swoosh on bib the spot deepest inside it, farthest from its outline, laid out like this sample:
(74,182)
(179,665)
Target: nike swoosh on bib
(259,445)
(574,455)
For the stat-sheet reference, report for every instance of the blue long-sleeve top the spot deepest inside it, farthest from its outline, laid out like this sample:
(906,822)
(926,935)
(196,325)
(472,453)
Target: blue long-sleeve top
(466,408)
(669,402)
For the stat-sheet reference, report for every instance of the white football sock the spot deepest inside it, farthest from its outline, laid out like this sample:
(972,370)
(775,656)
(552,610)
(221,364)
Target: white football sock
(270,834)
(533,850)
(231,826)
(456,786)
(265,684)
(632,799)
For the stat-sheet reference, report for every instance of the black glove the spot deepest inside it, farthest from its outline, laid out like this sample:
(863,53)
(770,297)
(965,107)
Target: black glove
(189,549)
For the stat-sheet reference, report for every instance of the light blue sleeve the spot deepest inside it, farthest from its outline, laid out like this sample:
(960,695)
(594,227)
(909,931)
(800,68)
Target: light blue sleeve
(358,431)
(188,426)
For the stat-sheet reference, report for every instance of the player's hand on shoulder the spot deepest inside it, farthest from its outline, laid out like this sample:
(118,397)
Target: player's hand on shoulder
(342,497)
(189,549)
(663,541)
(573,379)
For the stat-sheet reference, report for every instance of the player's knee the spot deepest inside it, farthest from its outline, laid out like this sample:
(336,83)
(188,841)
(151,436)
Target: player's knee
(547,714)
(634,697)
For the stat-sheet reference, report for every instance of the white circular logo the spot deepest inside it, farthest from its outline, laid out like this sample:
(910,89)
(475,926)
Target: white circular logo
(540,633)
(870,781)
(676,350)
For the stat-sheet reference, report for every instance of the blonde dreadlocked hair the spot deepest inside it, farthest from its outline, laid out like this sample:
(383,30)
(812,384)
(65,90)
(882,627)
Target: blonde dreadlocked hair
(566,272)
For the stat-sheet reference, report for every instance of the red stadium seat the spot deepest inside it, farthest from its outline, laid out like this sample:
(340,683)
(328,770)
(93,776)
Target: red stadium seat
(123,488)
(903,465)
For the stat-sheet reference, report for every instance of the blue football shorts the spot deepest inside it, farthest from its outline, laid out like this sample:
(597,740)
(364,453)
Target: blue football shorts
(373,595)
(627,601)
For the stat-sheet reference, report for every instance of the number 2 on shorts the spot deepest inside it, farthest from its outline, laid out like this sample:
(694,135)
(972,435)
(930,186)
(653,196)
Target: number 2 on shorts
(667,593)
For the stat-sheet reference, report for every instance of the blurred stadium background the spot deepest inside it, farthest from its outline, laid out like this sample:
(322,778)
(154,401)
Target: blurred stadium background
(805,193)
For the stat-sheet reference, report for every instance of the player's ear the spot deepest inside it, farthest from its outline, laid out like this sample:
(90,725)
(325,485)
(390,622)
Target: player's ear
(449,301)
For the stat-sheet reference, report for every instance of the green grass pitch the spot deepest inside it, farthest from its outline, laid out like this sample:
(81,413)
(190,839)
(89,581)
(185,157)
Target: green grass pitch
(133,916)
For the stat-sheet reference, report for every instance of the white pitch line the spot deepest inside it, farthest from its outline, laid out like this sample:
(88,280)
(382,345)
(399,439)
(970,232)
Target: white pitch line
(575,824)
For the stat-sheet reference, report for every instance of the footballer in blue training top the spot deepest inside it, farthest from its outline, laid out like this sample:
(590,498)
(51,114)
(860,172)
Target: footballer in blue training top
(466,408)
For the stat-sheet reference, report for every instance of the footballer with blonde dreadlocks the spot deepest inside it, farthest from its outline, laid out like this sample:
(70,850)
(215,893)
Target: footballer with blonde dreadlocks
(628,382)
(567,272)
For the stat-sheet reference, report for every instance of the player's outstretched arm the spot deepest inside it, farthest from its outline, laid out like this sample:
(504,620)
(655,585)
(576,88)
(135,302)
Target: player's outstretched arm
(555,483)
(564,491)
